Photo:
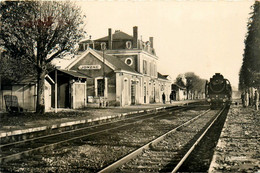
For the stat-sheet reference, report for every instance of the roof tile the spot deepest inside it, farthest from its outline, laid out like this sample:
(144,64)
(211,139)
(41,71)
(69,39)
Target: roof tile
(117,36)
(120,65)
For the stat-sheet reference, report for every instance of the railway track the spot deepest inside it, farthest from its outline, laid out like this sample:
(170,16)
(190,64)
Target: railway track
(167,152)
(92,152)
(20,149)
(97,150)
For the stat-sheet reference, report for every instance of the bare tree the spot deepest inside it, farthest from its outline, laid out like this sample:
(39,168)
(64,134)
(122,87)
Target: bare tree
(180,80)
(40,31)
(192,83)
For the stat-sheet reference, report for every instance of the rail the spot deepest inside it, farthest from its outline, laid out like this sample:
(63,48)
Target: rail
(196,143)
(18,155)
(146,146)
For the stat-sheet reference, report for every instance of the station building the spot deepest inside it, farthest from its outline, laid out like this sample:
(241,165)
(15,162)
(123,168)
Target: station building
(125,73)
(119,69)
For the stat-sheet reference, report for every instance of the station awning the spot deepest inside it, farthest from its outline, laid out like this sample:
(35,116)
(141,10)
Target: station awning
(74,73)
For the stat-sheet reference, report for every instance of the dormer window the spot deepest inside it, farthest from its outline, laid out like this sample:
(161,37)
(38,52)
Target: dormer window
(129,61)
(147,46)
(128,45)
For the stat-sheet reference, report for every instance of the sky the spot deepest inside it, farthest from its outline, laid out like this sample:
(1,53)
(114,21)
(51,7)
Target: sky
(204,37)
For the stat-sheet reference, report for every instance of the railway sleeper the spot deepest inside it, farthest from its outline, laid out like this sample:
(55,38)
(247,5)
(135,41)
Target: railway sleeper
(158,167)
(154,160)
(159,154)
(138,170)
(146,167)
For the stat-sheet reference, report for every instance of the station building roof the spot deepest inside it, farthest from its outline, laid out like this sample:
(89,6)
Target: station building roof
(74,73)
(112,61)
(118,35)
(119,39)
(31,79)
(164,77)
(119,65)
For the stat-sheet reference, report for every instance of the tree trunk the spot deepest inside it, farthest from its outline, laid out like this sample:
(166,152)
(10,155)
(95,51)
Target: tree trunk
(40,105)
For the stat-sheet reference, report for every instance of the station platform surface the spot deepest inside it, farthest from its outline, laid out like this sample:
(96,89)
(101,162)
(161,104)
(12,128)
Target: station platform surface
(29,122)
(238,148)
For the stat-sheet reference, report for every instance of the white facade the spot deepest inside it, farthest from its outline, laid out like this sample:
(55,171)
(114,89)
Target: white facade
(130,67)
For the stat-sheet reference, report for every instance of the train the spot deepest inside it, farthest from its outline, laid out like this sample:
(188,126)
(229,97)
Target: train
(218,91)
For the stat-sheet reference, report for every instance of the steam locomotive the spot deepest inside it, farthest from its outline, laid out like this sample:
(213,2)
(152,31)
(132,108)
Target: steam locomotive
(218,91)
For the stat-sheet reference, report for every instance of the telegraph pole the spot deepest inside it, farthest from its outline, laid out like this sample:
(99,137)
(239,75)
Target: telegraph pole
(56,88)
(103,48)
(56,91)
(1,51)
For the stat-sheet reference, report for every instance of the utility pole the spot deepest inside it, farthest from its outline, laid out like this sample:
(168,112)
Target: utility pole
(103,48)
(1,51)
(56,91)
(56,88)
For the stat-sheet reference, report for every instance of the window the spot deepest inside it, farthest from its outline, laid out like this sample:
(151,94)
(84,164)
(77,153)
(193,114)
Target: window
(129,61)
(162,87)
(151,70)
(100,87)
(154,70)
(144,67)
(128,44)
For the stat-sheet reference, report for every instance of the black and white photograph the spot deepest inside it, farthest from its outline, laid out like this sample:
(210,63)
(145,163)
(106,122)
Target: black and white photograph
(129,86)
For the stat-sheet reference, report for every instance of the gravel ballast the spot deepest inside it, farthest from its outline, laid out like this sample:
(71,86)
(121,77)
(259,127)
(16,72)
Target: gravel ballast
(238,149)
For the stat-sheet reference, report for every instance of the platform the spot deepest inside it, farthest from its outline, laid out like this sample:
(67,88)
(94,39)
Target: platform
(239,144)
(11,125)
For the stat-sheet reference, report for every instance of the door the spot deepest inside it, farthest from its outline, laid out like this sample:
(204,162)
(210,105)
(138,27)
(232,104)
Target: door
(63,96)
(126,93)
(133,92)
(79,95)
(154,95)
(144,94)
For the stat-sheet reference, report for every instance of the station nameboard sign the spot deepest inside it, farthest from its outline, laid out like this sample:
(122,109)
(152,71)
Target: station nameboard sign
(89,67)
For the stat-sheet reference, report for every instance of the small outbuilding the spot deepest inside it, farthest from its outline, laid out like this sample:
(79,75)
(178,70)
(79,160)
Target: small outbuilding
(179,92)
(20,93)
(71,89)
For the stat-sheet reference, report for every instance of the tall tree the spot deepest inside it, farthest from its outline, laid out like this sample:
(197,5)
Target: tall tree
(249,75)
(39,31)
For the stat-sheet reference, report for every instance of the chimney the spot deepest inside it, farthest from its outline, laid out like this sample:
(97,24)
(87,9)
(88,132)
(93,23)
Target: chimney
(135,35)
(93,44)
(151,41)
(109,38)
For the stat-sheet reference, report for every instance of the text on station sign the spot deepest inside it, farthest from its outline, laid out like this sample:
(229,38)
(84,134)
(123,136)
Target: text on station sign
(89,67)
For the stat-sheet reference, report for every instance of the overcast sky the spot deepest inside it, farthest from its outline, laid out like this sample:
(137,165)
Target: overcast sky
(201,37)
